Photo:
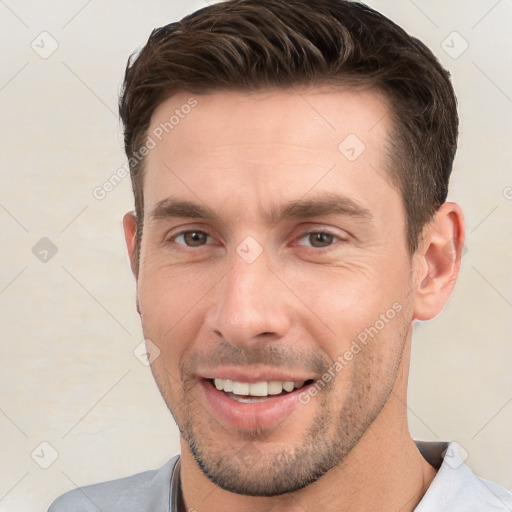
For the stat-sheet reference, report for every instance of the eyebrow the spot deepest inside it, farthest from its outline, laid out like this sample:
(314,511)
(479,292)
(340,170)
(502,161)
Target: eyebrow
(324,204)
(187,209)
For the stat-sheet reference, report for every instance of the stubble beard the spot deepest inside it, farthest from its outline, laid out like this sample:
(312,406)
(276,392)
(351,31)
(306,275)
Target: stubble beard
(257,467)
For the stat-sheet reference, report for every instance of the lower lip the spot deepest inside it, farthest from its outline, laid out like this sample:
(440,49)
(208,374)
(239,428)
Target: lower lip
(257,415)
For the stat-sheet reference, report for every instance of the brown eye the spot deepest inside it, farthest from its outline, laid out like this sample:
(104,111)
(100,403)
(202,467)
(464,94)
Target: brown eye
(192,238)
(321,239)
(318,239)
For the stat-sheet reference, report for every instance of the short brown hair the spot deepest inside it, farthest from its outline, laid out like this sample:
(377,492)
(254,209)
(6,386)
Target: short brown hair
(254,44)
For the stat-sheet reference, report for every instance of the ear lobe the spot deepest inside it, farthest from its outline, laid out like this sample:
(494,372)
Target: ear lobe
(438,261)
(130,236)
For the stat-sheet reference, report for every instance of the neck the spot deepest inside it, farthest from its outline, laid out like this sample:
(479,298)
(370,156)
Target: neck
(384,471)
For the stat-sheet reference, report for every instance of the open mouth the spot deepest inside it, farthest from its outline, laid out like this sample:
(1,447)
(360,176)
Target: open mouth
(255,405)
(254,392)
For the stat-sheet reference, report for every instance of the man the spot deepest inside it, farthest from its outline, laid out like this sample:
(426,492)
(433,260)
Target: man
(290,163)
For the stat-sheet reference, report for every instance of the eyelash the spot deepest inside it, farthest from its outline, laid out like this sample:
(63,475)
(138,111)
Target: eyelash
(183,233)
(337,238)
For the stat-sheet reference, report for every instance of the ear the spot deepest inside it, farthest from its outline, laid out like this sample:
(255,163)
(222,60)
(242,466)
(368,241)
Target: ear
(130,235)
(437,261)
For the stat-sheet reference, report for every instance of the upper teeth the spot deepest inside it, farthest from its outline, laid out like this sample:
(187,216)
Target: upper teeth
(256,388)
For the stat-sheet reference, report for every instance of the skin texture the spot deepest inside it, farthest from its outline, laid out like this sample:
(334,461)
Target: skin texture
(298,306)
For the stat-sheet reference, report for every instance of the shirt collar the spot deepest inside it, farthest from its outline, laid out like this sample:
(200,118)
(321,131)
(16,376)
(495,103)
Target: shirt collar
(455,487)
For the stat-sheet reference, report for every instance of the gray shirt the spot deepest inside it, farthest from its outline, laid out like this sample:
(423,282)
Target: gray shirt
(455,488)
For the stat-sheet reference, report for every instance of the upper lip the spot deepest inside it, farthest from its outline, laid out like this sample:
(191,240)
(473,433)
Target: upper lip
(253,374)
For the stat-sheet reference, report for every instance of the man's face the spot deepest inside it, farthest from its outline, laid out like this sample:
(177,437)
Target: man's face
(272,241)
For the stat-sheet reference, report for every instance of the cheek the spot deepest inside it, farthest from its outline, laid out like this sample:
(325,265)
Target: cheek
(345,301)
(172,313)
(170,295)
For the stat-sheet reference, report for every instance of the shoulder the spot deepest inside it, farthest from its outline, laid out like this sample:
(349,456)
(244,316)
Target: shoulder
(456,487)
(500,495)
(142,492)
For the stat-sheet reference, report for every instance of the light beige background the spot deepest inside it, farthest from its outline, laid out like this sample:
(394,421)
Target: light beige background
(68,327)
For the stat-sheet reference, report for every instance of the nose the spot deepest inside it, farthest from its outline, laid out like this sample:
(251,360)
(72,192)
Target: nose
(250,305)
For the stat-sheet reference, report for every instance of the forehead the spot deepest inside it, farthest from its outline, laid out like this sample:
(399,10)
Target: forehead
(272,145)
(327,110)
